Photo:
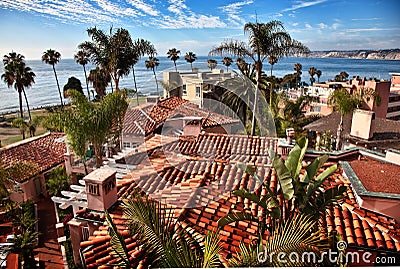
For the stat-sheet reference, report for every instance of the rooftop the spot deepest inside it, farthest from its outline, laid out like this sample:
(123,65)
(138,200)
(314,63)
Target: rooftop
(144,119)
(203,186)
(379,177)
(46,150)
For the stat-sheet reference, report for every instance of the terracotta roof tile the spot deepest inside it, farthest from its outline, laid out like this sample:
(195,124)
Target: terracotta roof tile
(146,118)
(46,150)
(357,226)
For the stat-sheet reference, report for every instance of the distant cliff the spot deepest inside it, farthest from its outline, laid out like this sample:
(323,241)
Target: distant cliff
(387,54)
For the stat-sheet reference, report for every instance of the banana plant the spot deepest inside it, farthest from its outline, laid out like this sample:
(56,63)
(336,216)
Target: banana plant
(304,191)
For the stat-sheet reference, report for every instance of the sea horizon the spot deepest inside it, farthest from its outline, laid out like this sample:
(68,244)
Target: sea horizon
(45,93)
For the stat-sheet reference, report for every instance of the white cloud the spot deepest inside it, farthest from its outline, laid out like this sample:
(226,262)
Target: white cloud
(308,26)
(140,5)
(177,6)
(115,9)
(233,12)
(78,11)
(322,25)
(295,24)
(192,21)
(303,4)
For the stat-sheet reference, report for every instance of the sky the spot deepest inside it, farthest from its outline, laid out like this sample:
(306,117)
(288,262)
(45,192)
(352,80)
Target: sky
(30,27)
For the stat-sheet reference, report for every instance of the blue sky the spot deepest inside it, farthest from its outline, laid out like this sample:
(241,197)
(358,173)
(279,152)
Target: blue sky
(30,27)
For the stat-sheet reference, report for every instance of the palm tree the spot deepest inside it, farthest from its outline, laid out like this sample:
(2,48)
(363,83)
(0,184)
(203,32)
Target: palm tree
(52,57)
(298,67)
(152,64)
(100,79)
(110,51)
(265,39)
(345,102)
(319,74)
(212,63)
(190,57)
(138,49)
(227,61)
(82,58)
(173,54)
(166,244)
(342,76)
(312,73)
(21,76)
(272,60)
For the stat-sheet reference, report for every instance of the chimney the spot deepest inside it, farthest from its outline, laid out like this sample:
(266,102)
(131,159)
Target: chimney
(101,189)
(362,124)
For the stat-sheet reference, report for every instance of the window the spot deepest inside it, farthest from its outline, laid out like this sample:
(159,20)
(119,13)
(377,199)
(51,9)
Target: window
(315,109)
(93,188)
(126,144)
(198,91)
(184,91)
(108,186)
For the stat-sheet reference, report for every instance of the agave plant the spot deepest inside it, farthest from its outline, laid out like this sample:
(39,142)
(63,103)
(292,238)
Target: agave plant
(165,243)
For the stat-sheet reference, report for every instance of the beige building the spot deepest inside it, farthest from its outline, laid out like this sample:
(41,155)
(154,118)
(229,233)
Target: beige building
(193,85)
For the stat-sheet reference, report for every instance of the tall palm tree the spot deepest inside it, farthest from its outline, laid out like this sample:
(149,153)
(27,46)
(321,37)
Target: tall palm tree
(190,57)
(345,102)
(52,57)
(82,58)
(21,76)
(173,54)
(110,51)
(152,64)
(319,74)
(227,61)
(312,73)
(265,39)
(138,49)
(298,67)
(100,79)
(212,63)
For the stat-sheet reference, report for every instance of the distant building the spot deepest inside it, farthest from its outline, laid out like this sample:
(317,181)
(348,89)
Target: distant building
(393,110)
(192,85)
(324,89)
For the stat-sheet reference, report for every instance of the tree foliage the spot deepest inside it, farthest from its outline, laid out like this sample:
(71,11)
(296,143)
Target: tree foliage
(95,123)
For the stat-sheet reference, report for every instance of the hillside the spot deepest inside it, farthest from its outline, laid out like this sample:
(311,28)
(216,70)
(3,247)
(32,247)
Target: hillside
(387,54)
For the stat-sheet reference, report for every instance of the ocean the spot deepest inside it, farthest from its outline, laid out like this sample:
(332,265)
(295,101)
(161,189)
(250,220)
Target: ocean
(44,92)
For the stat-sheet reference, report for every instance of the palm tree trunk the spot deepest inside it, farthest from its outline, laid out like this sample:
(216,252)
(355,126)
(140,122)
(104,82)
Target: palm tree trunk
(176,69)
(155,77)
(253,121)
(191,66)
(111,86)
(58,86)
(339,134)
(134,82)
(87,85)
(27,105)
(20,110)
(271,90)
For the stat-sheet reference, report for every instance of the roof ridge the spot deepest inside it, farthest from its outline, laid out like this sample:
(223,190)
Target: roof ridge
(27,140)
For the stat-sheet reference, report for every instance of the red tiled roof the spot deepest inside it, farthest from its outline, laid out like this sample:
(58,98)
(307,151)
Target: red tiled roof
(145,119)
(379,177)
(46,150)
(194,184)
